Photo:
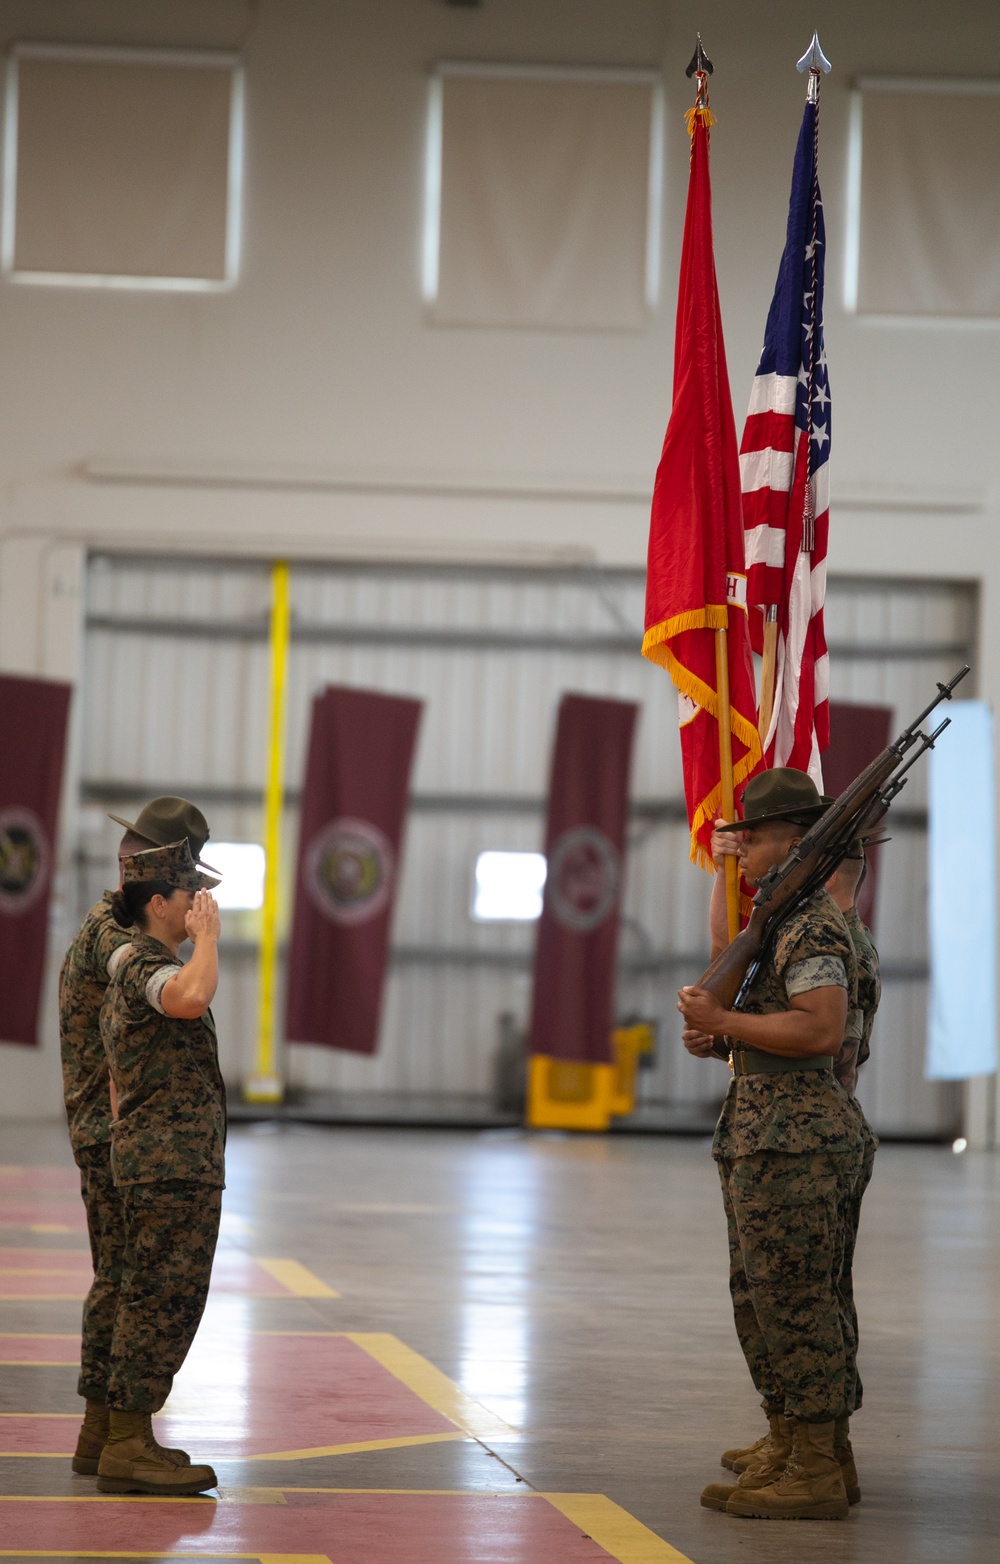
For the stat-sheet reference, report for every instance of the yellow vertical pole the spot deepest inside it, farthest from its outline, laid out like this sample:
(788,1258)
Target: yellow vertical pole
(265,1084)
(726,774)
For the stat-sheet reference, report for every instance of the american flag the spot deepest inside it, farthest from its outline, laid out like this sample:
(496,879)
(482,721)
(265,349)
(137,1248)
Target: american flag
(785,462)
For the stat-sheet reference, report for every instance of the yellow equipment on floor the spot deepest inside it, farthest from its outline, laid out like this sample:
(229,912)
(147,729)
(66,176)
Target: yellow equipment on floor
(564,1094)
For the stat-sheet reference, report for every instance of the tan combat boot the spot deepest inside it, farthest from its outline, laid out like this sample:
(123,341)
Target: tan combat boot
(739,1459)
(845,1455)
(772,1454)
(132,1461)
(810,1488)
(93,1437)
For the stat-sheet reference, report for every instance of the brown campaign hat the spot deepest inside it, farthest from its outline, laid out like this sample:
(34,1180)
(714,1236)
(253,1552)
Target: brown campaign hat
(172,864)
(165,820)
(783,793)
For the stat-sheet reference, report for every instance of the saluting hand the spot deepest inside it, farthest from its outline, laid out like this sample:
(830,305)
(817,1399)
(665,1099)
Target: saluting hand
(724,844)
(202,920)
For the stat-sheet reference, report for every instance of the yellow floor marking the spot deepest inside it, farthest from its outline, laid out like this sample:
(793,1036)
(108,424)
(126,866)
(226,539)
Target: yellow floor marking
(252,1496)
(300,1282)
(74,1415)
(433,1387)
(42,1363)
(38,1227)
(357,1449)
(45,1270)
(44,1297)
(614,1529)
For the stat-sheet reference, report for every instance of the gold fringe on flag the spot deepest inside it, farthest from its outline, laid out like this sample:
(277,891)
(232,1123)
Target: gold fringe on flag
(699,112)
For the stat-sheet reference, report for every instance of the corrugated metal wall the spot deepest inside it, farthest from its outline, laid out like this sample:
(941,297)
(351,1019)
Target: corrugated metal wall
(174,699)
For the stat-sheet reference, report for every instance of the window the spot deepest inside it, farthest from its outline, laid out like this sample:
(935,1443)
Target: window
(924,204)
(122,168)
(509,887)
(241,865)
(543,196)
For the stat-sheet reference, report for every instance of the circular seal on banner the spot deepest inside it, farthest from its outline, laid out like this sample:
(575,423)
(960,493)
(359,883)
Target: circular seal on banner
(24,859)
(583,878)
(348,870)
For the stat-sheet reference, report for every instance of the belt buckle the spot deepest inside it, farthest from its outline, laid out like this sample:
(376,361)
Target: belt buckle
(733,1064)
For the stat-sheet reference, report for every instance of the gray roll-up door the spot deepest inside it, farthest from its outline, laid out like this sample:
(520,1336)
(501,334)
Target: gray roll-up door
(175,700)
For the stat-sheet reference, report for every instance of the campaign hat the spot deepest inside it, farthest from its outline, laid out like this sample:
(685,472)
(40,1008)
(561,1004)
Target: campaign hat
(783,793)
(165,820)
(172,864)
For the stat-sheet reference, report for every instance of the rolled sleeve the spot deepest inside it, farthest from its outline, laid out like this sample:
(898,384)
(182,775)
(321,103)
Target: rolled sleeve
(815,972)
(157,983)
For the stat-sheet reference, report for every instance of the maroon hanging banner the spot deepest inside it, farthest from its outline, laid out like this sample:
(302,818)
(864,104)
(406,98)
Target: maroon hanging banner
(573,1004)
(354,804)
(33,715)
(857,735)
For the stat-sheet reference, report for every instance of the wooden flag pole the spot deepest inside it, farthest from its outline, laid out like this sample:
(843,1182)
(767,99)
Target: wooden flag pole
(768,672)
(726,773)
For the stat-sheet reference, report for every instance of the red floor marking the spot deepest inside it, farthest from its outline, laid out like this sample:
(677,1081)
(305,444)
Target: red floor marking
(40,1213)
(18,1180)
(241,1395)
(354,1528)
(33,1273)
(39,1349)
(66,1273)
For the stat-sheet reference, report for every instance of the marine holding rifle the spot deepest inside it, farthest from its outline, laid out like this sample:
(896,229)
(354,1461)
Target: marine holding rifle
(789,1152)
(780,1000)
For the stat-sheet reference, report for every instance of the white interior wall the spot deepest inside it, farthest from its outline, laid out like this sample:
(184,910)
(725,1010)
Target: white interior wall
(315,410)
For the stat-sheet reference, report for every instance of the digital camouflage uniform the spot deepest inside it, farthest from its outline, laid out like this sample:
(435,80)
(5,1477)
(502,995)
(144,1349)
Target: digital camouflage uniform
(168,1161)
(788,1149)
(83,981)
(869,994)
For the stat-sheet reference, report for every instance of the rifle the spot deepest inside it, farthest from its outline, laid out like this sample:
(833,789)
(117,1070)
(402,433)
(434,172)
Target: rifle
(860,807)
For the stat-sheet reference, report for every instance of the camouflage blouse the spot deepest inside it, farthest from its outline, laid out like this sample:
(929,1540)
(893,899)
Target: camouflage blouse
(869,982)
(801,1110)
(83,980)
(171,1099)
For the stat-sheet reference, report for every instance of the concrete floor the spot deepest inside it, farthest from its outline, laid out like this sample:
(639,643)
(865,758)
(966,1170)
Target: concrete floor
(574,1290)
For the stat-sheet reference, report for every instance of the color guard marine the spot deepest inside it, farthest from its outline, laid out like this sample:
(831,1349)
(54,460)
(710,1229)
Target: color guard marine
(789,1150)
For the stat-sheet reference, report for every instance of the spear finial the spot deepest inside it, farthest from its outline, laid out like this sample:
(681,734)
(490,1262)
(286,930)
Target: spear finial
(816,63)
(814,59)
(700,61)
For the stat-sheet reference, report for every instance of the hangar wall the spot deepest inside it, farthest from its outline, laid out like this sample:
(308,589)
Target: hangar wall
(173,699)
(315,411)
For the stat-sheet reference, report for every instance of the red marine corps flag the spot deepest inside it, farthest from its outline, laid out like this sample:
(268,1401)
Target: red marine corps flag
(696,615)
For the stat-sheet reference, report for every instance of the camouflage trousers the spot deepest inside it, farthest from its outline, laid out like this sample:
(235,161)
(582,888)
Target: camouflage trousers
(106,1226)
(851,1220)
(171,1228)
(785,1215)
